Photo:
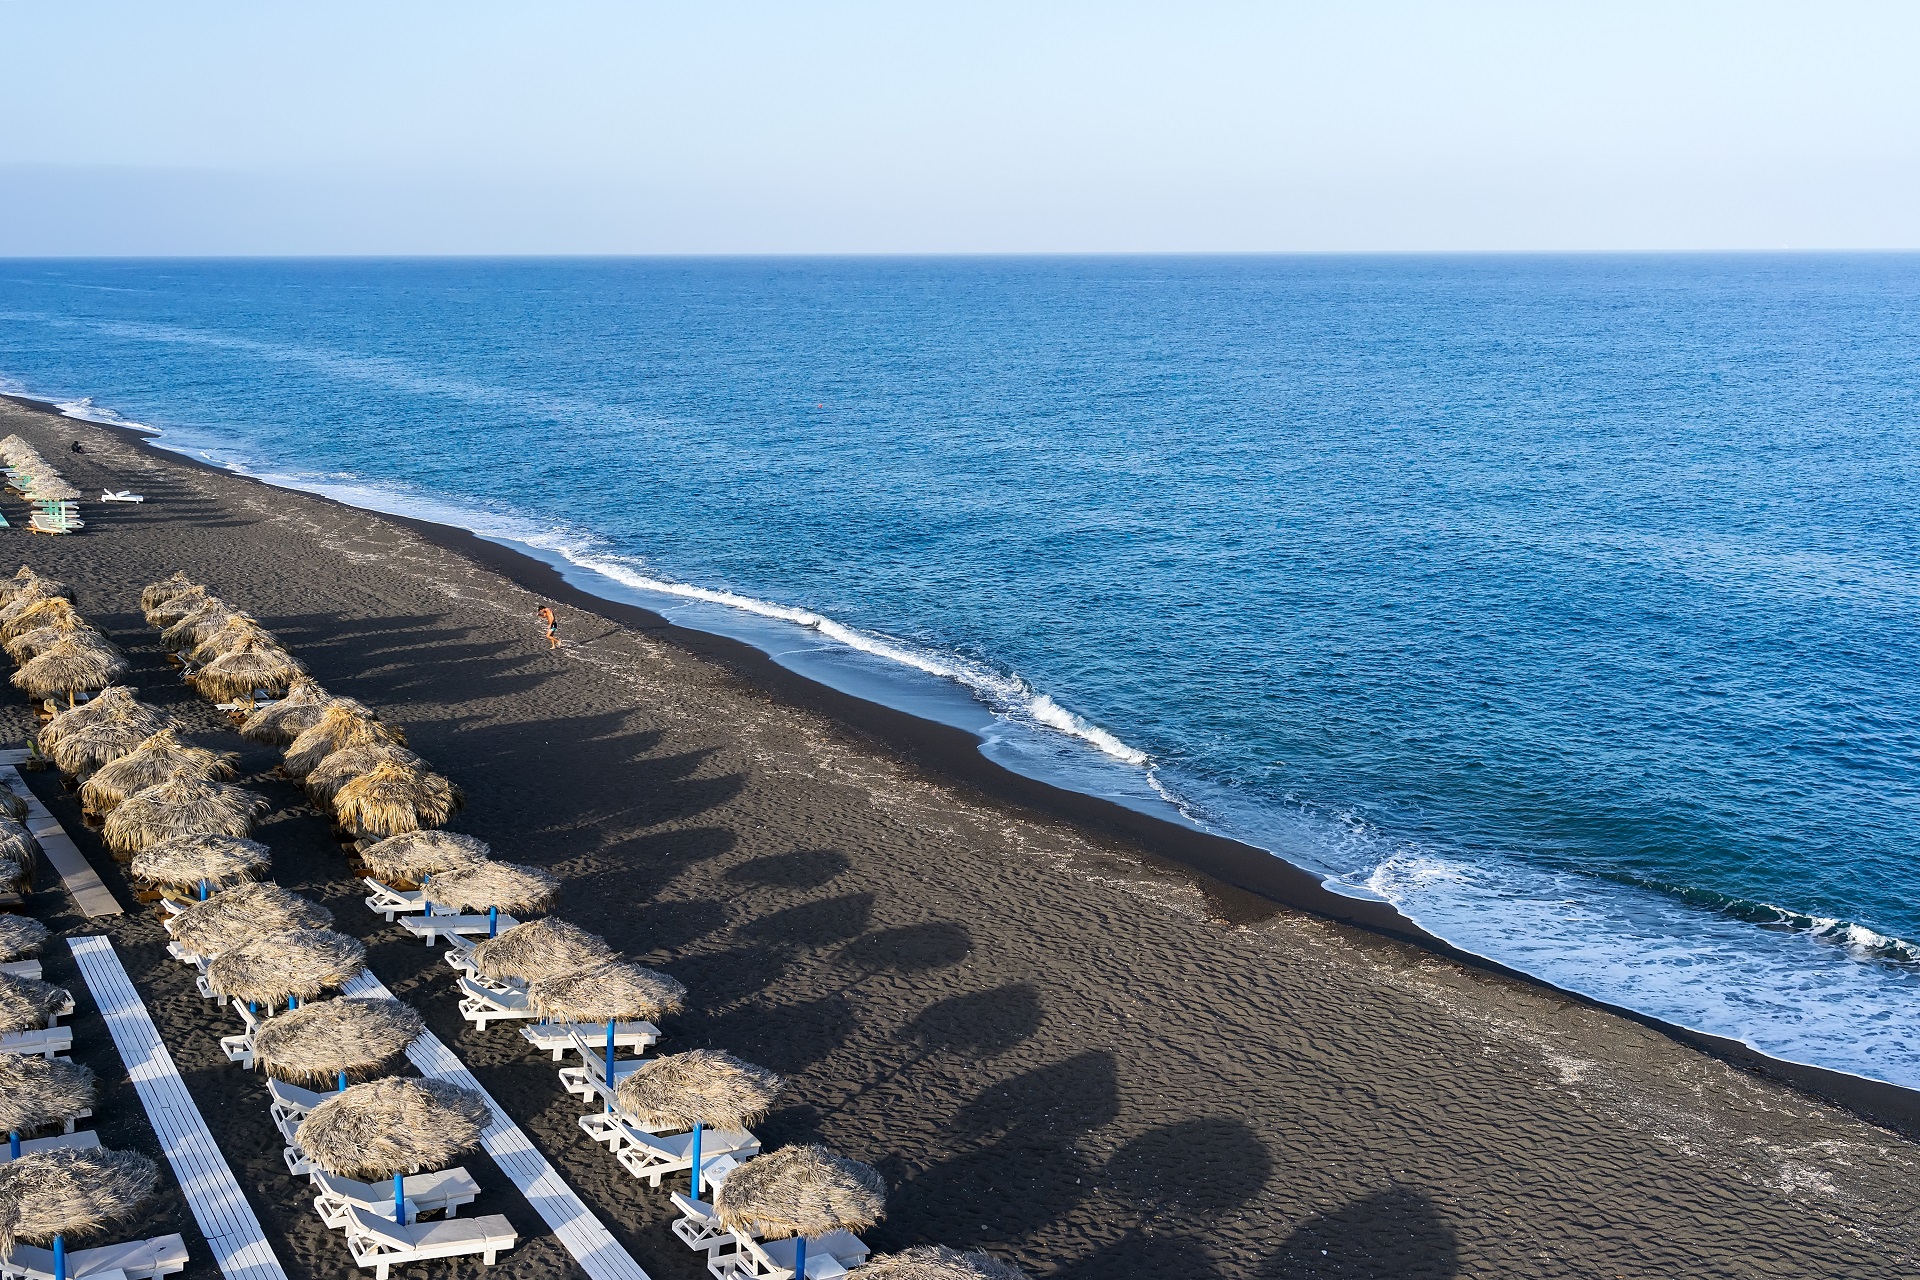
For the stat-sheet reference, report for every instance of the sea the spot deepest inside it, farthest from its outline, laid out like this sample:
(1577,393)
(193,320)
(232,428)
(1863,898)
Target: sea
(1569,603)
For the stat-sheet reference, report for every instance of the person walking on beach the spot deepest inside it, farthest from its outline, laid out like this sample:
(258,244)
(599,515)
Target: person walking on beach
(545,614)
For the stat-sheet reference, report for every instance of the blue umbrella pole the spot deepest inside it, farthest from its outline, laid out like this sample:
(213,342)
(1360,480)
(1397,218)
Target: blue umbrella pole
(609,1055)
(13,1144)
(799,1258)
(493,922)
(696,1162)
(340,1082)
(399,1200)
(59,1258)
(203,890)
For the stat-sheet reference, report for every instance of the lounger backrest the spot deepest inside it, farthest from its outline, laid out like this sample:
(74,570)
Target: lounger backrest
(372,1224)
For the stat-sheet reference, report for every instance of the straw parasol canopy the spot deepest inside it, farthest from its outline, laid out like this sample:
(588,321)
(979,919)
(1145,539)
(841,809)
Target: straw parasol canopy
(70,1192)
(235,629)
(397,1125)
(801,1191)
(30,644)
(392,798)
(16,842)
(155,594)
(281,722)
(79,663)
(184,862)
(181,807)
(27,1003)
(30,611)
(348,763)
(205,619)
(412,855)
(51,487)
(316,1042)
(20,936)
(611,991)
(937,1262)
(505,885)
(83,738)
(37,1092)
(160,758)
(164,613)
(252,663)
(299,962)
(537,949)
(109,704)
(23,579)
(699,1087)
(234,915)
(12,803)
(13,875)
(344,723)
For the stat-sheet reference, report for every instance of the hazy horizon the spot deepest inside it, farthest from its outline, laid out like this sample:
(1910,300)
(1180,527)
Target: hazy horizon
(604,130)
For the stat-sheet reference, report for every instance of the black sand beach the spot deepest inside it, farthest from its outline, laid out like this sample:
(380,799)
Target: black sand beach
(1056,1044)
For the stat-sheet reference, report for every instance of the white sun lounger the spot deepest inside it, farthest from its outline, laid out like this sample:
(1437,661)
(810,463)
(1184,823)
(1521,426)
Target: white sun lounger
(135,1260)
(379,1243)
(46,1042)
(828,1257)
(290,1105)
(455,929)
(589,1079)
(390,902)
(239,1048)
(481,1003)
(698,1227)
(445,1189)
(22,969)
(85,1140)
(654,1156)
(121,495)
(557,1038)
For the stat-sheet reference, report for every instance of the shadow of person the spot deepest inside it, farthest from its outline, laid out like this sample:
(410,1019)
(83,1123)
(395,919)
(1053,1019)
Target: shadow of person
(1192,1168)
(1395,1234)
(799,869)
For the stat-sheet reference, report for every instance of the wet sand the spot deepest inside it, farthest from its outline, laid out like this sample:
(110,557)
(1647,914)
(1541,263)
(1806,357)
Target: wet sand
(1056,1044)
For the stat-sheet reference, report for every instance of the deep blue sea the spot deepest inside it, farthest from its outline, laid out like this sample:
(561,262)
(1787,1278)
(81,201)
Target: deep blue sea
(1571,603)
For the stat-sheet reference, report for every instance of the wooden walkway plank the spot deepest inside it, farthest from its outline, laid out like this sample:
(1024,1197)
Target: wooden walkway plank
(591,1244)
(226,1219)
(83,882)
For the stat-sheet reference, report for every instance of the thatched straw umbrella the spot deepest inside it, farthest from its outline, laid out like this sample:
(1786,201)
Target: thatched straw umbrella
(109,704)
(937,1262)
(494,887)
(154,594)
(203,864)
(291,966)
(23,579)
(20,936)
(344,723)
(800,1191)
(12,803)
(611,991)
(347,1035)
(160,758)
(390,1128)
(30,644)
(392,798)
(16,842)
(28,1003)
(348,763)
(51,487)
(81,663)
(695,1089)
(250,665)
(281,722)
(231,632)
(412,856)
(50,1195)
(164,613)
(13,876)
(230,917)
(31,611)
(538,949)
(208,617)
(38,1092)
(180,808)
(83,738)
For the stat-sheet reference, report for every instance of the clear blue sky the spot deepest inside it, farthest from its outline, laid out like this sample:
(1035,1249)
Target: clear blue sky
(399,127)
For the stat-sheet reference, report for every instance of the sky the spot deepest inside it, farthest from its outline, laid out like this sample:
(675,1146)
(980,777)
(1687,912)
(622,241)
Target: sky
(477,127)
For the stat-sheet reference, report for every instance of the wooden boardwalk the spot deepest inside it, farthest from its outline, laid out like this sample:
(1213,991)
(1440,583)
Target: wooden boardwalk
(226,1219)
(590,1243)
(83,882)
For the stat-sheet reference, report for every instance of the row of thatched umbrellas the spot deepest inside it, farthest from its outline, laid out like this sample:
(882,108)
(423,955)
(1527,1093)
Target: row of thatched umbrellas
(36,477)
(58,652)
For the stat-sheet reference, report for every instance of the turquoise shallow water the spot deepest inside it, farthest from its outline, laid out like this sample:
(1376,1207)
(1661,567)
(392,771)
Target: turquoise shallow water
(1568,602)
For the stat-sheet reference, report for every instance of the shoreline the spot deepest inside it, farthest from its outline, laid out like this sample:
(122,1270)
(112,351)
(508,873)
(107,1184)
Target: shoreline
(1241,881)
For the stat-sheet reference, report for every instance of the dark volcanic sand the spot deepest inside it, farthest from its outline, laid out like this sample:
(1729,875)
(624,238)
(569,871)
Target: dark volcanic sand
(1052,1047)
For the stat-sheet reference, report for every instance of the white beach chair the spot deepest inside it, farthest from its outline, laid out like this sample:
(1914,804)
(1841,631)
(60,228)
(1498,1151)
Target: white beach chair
(828,1257)
(120,495)
(456,929)
(379,1243)
(589,1079)
(481,1003)
(46,1042)
(444,1190)
(698,1227)
(654,1156)
(22,969)
(85,1140)
(388,901)
(290,1105)
(557,1038)
(134,1260)
(239,1048)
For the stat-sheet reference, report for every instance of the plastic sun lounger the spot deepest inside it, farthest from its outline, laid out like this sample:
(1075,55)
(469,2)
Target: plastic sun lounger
(589,1079)
(698,1227)
(653,1157)
(120,495)
(47,1042)
(390,902)
(135,1260)
(455,929)
(828,1257)
(290,1105)
(239,1048)
(445,1190)
(557,1038)
(22,968)
(379,1243)
(481,1004)
(85,1140)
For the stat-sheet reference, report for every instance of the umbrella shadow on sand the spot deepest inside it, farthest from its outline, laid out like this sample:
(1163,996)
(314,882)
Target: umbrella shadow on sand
(1399,1233)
